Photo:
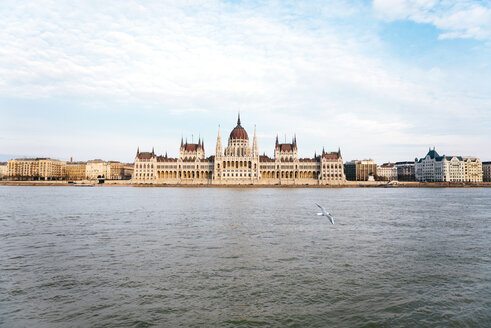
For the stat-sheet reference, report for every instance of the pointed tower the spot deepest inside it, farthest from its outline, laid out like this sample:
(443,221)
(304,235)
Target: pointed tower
(255,149)
(238,119)
(295,141)
(277,145)
(218,152)
(182,142)
(153,151)
(138,150)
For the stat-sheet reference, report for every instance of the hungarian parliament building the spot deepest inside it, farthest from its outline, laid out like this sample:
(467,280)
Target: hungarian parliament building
(239,164)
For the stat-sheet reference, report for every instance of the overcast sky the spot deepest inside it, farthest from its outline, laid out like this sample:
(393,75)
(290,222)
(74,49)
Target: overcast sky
(381,79)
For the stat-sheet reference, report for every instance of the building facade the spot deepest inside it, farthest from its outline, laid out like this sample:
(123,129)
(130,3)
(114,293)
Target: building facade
(36,169)
(76,171)
(436,168)
(4,170)
(239,163)
(387,172)
(486,171)
(51,169)
(98,169)
(364,170)
(405,171)
(473,169)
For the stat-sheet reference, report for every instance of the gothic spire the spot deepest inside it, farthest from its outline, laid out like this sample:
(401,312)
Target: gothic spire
(138,150)
(238,119)
(218,150)
(255,149)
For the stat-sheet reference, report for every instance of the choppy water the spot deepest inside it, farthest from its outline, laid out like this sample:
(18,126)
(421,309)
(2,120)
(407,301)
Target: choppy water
(116,257)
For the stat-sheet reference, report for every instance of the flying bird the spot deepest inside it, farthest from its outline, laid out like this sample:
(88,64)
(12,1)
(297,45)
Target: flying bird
(325,213)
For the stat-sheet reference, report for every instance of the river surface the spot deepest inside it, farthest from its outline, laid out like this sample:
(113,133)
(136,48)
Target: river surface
(213,257)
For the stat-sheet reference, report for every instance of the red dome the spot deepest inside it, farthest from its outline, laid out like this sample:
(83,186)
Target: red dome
(239,132)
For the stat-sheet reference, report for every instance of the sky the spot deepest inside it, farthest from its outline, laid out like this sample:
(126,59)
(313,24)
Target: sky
(382,79)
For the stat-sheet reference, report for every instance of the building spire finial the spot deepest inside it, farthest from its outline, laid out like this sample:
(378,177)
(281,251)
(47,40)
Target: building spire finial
(238,119)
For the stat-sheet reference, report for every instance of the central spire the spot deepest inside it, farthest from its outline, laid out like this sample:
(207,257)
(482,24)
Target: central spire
(238,119)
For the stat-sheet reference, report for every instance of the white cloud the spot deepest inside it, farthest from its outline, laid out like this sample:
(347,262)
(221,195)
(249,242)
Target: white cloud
(289,68)
(456,19)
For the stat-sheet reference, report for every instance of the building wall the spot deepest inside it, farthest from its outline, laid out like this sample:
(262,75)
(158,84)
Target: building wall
(405,171)
(76,171)
(486,171)
(238,163)
(96,169)
(4,170)
(115,171)
(473,170)
(387,173)
(436,168)
(50,169)
(36,169)
(363,170)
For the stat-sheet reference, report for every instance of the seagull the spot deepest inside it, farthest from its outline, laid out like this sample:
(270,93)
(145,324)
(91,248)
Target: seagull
(325,213)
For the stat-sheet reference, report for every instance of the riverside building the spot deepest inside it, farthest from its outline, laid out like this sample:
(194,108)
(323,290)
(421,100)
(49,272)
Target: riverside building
(98,169)
(486,171)
(364,170)
(36,169)
(387,172)
(436,168)
(238,163)
(4,170)
(76,170)
(405,171)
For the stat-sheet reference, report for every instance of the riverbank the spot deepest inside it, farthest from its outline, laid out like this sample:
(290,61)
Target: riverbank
(348,184)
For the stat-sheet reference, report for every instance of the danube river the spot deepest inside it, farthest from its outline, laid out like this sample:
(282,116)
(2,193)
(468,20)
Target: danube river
(216,257)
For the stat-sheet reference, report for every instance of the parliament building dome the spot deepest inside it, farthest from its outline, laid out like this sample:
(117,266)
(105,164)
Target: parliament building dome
(239,132)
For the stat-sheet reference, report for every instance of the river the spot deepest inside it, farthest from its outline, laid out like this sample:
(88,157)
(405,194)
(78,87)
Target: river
(245,257)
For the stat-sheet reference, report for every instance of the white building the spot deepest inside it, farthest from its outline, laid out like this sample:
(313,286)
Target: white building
(473,169)
(387,172)
(436,168)
(96,169)
(238,163)
(99,169)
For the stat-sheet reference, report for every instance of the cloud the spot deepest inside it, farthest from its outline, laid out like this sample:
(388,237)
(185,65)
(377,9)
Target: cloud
(315,68)
(455,19)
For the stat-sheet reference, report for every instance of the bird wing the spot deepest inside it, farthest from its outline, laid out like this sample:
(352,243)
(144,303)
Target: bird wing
(330,218)
(324,212)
